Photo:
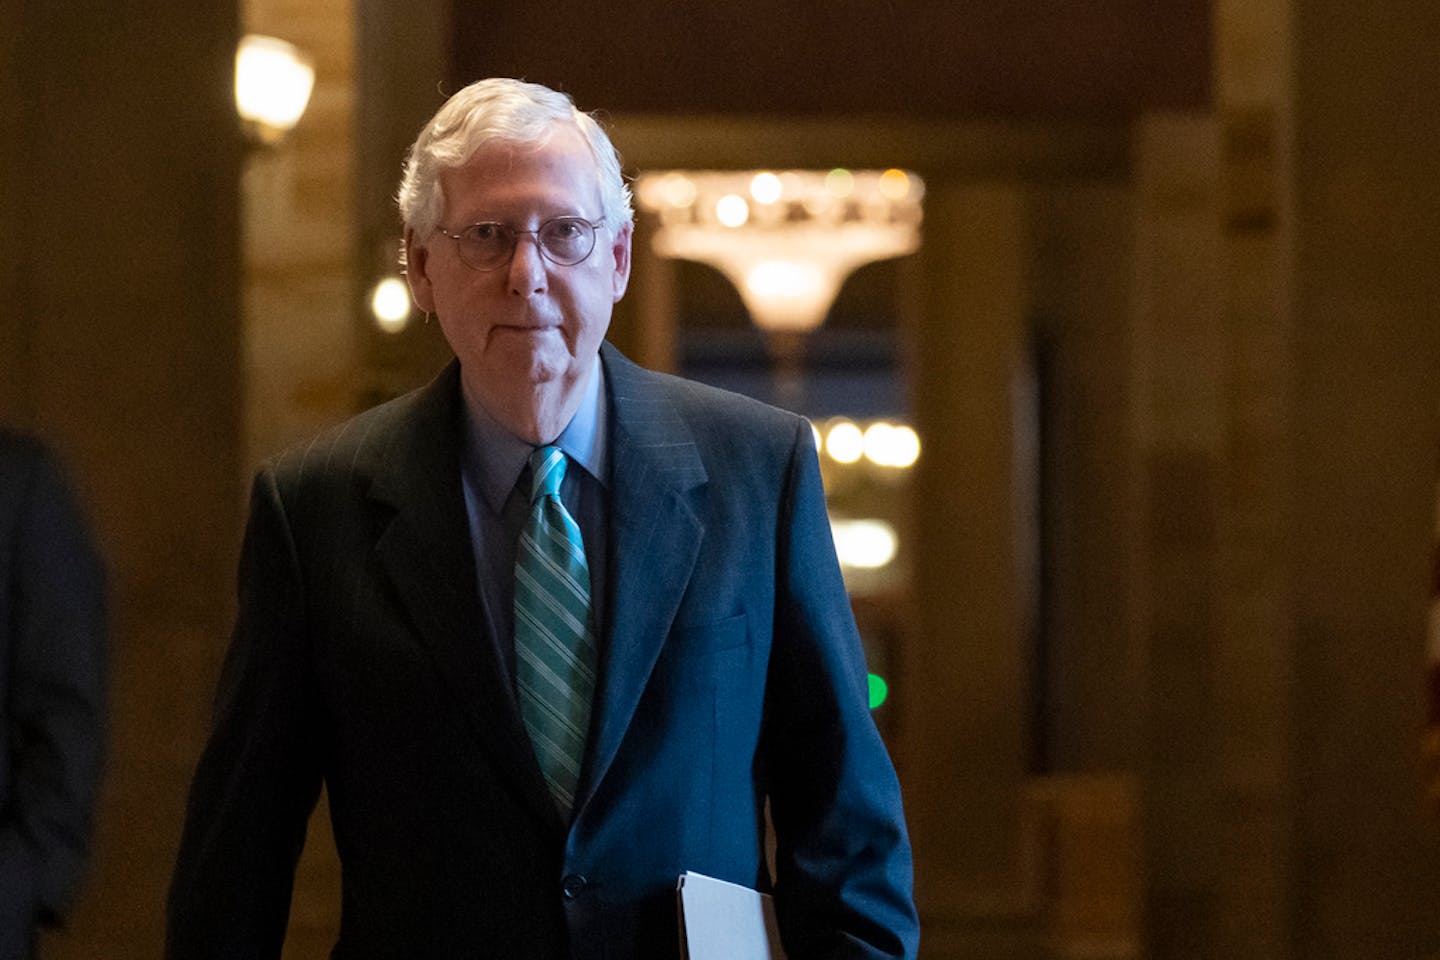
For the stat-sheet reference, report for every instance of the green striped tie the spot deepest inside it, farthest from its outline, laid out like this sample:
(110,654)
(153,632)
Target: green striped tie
(554,637)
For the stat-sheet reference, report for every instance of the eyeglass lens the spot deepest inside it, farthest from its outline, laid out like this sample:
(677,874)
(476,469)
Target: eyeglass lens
(564,241)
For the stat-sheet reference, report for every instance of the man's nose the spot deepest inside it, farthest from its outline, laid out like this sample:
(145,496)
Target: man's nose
(527,266)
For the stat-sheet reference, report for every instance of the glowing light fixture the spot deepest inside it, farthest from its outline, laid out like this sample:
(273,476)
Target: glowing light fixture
(840,183)
(879,690)
(676,191)
(894,184)
(732,210)
(785,281)
(766,188)
(864,544)
(882,443)
(889,445)
(390,303)
(789,253)
(273,82)
(845,442)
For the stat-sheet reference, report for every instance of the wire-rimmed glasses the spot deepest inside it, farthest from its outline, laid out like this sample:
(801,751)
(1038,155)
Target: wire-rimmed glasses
(565,241)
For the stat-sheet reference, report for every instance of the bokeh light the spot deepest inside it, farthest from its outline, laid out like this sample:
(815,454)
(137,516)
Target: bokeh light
(390,303)
(879,690)
(732,210)
(766,188)
(845,442)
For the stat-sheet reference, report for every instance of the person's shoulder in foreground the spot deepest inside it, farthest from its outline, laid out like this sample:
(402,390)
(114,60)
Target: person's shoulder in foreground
(52,662)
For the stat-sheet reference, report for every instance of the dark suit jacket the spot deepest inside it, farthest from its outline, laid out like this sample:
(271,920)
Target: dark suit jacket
(731,672)
(52,647)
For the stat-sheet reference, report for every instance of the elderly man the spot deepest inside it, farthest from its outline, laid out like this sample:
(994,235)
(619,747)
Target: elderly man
(551,630)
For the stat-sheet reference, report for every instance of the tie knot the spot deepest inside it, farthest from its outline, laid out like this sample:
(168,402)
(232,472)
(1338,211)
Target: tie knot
(547,469)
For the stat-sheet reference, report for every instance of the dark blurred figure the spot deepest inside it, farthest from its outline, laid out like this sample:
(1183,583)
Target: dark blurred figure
(52,639)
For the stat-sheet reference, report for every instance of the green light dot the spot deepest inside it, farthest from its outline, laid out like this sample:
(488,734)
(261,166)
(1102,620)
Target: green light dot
(879,690)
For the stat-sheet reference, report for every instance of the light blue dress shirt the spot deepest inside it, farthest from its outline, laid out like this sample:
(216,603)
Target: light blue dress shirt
(492,461)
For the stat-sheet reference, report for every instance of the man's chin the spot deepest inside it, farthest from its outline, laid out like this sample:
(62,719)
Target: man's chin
(537,368)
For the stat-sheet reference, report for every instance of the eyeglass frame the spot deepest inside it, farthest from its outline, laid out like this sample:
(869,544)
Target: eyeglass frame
(516,234)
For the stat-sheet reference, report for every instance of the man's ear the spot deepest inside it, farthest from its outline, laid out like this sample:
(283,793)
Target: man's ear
(620,248)
(417,272)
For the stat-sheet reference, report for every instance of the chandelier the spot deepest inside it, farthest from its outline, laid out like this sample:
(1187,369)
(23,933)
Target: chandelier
(786,239)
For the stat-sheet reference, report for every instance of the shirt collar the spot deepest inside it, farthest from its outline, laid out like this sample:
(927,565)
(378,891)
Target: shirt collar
(495,457)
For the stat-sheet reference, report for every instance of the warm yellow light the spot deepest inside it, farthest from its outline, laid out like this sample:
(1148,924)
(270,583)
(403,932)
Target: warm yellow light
(786,240)
(894,184)
(817,204)
(877,436)
(732,210)
(785,281)
(864,544)
(766,188)
(273,82)
(650,193)
(888,445)
(905,449)
(672,191)
(390,303)
(840,182)
(679,190)
(845,443)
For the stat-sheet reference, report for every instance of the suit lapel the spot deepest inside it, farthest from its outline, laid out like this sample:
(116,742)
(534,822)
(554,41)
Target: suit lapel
(425,550)
(655,537)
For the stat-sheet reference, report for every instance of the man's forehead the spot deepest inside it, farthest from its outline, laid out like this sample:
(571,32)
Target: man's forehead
(521,167)
(559,140)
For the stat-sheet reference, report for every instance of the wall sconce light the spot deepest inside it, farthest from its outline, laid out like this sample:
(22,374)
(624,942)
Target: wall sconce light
(390,304)
(273,82)
(787,240)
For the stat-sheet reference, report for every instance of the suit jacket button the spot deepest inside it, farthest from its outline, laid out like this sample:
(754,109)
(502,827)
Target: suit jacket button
(573,885)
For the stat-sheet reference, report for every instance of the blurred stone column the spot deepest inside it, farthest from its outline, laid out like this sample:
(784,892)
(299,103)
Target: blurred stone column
(964,715)
(1180,378)
(1367,395)
(1255,640)
(645,325)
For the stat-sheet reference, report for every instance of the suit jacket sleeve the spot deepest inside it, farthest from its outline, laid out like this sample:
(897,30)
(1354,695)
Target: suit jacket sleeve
(259,777)
(53,695)
(843,884)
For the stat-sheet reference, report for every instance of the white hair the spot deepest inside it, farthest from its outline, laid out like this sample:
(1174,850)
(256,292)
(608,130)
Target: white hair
(505,110)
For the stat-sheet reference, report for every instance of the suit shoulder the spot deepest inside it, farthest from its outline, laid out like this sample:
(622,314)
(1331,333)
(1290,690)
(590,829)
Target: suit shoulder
(27,463)
(22,454)
(337,449)
(355,449)
(702,405)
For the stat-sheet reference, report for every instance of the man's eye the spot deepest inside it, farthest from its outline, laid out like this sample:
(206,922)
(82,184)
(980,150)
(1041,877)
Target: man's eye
(484,232)
(564,229)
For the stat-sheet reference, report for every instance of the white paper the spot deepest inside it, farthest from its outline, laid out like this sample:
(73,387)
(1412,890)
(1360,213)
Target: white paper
(725,921)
